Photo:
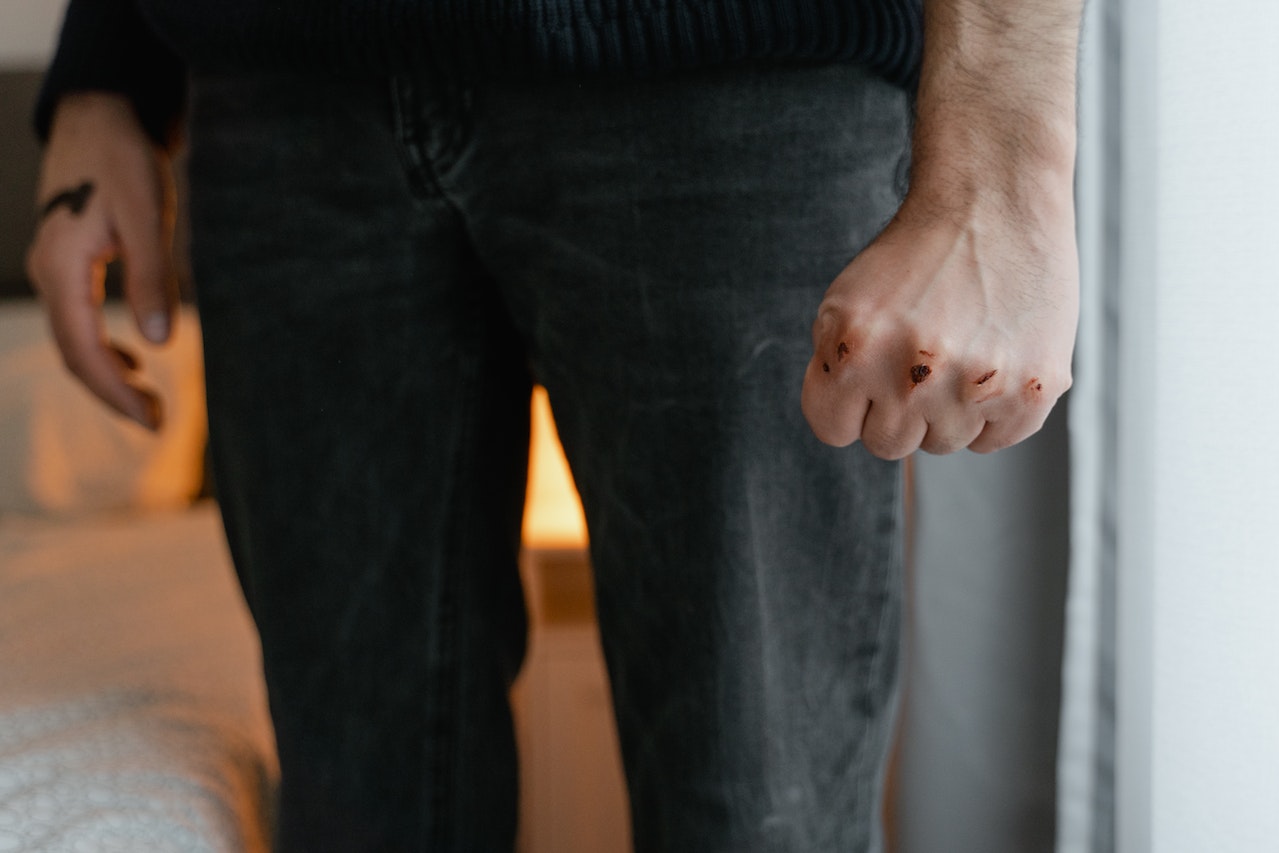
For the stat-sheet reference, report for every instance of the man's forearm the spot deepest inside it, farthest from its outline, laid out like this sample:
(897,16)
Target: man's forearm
(996,107)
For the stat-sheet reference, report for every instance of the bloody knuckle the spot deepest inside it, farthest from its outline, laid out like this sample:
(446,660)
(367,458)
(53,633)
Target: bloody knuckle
(918,348)
(850,346)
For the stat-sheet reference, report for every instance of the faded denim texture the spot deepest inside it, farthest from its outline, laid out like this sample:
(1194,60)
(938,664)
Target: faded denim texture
(383,268)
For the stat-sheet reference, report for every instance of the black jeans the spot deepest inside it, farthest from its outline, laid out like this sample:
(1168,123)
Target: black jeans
(383,268)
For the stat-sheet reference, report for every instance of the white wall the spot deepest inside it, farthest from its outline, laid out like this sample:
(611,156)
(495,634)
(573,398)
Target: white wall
(981,683)
(1198,747)
(28,29)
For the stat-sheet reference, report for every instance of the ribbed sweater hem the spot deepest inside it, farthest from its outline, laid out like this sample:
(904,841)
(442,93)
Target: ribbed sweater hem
(105,45)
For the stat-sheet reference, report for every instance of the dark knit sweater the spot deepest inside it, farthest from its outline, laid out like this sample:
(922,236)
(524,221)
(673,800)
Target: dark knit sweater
(142,49)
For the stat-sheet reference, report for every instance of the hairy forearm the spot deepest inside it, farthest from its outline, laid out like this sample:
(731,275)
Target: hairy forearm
(996,106)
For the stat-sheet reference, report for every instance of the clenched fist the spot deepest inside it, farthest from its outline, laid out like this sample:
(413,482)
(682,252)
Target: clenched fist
(955,327)
(947,332)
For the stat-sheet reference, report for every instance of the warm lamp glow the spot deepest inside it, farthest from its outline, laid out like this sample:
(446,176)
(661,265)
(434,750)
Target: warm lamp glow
(553,512)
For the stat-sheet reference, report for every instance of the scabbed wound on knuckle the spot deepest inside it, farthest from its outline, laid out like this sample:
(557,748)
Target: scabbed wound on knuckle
(1047,386)
(847,339)
(849,348)
(983,385)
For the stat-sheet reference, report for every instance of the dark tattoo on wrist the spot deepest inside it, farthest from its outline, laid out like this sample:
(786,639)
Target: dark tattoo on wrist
(73,199)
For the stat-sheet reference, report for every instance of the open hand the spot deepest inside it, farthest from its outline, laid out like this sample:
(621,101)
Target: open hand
(112,197)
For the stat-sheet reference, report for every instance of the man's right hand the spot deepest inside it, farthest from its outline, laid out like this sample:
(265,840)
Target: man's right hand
(95,138)
(955,327)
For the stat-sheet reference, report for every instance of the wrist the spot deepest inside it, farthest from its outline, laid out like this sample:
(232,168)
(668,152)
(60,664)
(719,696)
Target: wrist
(75,109)
(84,120)
(995,111)
(973,164)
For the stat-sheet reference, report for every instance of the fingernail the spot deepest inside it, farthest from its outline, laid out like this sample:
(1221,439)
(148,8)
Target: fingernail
(156,327)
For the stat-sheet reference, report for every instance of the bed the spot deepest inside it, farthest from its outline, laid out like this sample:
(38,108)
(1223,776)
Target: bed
(132,713)
(132,710)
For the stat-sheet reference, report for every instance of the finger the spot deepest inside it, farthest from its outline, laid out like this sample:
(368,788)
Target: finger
(958,410)
(952,433)
(76,322)
(834,410)
(998,435)
(983,386)
(891,432)
(1019,413)
(142,228)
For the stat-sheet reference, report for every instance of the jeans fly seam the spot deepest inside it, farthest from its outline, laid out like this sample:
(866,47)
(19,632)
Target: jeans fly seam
(419,170)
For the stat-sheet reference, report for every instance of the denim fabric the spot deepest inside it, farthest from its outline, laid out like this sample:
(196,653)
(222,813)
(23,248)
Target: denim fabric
(383,268)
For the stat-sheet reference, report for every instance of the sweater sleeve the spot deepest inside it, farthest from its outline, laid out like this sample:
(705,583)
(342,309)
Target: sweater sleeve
(106,45)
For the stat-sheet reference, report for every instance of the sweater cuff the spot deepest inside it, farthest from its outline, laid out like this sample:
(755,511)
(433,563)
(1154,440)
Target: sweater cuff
(107,46)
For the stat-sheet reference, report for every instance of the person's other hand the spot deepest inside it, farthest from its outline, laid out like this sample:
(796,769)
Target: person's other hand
(953,329)
(126,213)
